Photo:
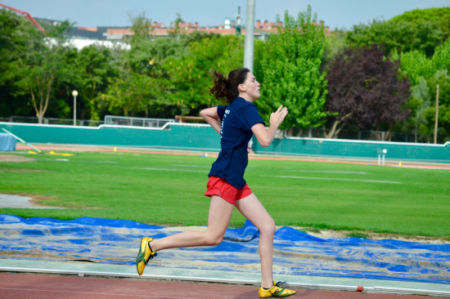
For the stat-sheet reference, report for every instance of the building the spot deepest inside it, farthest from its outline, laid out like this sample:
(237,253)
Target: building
(83,36)
(160,30)
(262,30)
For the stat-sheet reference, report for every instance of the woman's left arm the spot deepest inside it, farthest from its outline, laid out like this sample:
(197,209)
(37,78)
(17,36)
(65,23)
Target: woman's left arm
(211,117)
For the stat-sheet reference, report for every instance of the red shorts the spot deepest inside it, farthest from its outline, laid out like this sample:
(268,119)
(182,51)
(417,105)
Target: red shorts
(220,187)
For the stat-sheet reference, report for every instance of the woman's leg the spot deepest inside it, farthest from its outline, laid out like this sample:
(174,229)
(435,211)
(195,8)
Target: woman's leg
(219,217)
(254,211)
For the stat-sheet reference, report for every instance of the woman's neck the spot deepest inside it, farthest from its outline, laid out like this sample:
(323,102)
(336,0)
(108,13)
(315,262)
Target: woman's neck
(246,97)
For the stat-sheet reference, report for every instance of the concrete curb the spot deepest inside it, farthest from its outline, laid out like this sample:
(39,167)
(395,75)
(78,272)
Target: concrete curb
(170,274)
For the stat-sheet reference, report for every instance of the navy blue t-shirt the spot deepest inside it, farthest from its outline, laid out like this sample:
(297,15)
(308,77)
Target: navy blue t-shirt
(236,131)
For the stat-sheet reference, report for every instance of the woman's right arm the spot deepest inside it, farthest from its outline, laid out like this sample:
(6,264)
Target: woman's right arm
(211,117)
(266,136)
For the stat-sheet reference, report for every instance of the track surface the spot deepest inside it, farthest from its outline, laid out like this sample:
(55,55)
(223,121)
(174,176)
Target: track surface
(31,286)
(251,157)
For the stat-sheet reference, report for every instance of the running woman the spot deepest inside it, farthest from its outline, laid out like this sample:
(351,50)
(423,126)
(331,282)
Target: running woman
(226,185)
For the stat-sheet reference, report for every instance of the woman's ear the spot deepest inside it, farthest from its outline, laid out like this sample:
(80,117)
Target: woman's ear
(241,88)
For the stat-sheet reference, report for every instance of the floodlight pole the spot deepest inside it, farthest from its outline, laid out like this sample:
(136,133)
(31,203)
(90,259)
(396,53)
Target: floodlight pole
(74,94)
(74,111)
(249,35)
(437,115)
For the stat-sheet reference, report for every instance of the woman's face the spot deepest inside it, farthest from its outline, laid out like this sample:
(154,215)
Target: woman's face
(251,87)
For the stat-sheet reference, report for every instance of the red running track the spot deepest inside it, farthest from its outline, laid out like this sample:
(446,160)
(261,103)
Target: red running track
(32,286)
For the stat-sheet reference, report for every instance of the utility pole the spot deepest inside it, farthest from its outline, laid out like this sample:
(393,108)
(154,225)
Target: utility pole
(437,114)
(249,35)
(238,19)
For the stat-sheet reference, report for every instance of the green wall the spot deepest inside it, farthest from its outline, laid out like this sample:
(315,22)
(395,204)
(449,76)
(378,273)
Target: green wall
(356,149)
(198,137)
(176,137)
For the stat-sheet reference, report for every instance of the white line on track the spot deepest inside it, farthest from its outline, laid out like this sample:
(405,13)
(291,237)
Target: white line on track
(336,179)
(329,171)
(59,160)
(94,293)
(189,165)
(168,169)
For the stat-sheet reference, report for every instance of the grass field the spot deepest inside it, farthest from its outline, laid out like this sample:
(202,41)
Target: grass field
(167,189)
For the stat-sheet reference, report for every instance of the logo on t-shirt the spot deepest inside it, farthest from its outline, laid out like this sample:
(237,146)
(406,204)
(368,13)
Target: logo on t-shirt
(223,120)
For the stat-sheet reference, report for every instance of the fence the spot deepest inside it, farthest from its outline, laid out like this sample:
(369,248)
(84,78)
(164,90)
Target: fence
(201,137)
(137,121)
(109,120)
(410,137)
(413,137)
(53,121)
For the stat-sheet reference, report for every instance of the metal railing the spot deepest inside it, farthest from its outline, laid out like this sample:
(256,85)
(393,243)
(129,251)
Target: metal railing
(161,122)
(109,120)
(137,121)
(52,121)
(362,135)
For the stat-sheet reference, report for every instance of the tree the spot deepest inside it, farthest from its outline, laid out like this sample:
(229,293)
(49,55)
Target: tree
(364,87)
(415,64)
(441,78)
(95,65)
(441,57)
(423,36)
(335,43)
(420,71)
(290,72)
(131,94)
(138,56)
(190,78)
(440,15)
(176,31)
(9,24)
(420,100)
(12,101)
(41,63)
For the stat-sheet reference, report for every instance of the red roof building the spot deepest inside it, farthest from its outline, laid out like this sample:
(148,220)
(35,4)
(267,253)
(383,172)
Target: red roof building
(262,30)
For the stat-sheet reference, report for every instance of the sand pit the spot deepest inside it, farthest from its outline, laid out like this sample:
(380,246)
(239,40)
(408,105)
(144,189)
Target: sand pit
(21,202)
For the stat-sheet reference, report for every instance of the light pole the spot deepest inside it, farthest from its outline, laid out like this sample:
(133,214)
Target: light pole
(249,35)
(74,93)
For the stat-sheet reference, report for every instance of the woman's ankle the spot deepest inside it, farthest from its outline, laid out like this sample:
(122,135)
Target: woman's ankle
(153,246)
(266,284)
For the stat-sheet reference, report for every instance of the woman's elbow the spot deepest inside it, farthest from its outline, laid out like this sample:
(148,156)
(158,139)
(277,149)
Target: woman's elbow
(204,114)
(264,143)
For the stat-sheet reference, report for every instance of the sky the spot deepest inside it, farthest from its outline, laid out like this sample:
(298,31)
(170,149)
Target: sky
(335,13)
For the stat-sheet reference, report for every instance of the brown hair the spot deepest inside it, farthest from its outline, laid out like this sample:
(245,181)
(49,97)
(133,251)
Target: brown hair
(226,88)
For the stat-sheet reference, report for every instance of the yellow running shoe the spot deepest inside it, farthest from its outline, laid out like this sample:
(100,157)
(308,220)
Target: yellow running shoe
(145,254)
(275,291)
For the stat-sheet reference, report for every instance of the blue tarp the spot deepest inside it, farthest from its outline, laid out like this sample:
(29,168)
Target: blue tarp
(295,252)
(7,143)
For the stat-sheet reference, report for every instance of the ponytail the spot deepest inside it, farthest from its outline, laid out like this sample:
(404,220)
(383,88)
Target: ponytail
(226,88)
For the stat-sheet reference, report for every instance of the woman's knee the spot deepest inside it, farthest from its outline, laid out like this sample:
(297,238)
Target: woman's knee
(212,240)
(268,228)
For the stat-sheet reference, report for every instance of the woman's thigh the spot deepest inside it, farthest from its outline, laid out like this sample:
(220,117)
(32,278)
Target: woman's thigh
(253,210)
(220,212)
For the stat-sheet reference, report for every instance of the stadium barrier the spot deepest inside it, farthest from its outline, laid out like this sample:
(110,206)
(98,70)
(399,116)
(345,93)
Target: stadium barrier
(358,149)
(170,136)
(202,137)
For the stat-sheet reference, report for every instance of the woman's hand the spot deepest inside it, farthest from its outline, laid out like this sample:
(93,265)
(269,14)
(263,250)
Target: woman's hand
(277,117)
(265,137)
